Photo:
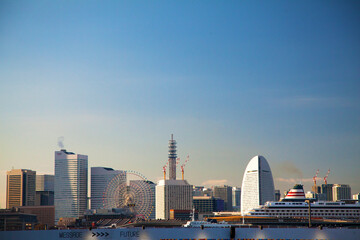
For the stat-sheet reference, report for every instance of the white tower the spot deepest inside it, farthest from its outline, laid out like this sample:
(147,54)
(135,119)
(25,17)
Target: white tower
(257,185)
(70,186)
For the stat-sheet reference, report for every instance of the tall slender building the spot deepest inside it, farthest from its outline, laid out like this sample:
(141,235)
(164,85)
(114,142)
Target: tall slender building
(257,185)
(100,178)
(172,193)
(20,188)
(71,181)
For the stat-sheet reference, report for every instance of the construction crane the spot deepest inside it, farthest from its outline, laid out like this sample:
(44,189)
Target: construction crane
(327,174)
(164,169)
(183,165)
(315,177)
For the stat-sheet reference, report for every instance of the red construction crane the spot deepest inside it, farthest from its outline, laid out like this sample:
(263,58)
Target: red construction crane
(183,165)
(164,169)
(327,174)
(315,177)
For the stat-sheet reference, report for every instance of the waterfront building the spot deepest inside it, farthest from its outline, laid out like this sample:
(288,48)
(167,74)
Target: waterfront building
(172,193)
(71,184)
(100,178)
(257,185)
(20,188)
(341,192)
(224,193)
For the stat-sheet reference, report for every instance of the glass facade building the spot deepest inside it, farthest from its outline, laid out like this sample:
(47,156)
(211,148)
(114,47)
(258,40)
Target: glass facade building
(71,184)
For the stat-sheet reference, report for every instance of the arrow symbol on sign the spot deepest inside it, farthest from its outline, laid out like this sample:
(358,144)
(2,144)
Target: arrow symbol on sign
(93,234)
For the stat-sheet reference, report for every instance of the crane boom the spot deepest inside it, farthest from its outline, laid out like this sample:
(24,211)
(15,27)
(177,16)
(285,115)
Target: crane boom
(326,176)
(315,177)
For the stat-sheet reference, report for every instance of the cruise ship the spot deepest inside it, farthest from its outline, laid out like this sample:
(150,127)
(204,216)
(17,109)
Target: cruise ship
(296,205)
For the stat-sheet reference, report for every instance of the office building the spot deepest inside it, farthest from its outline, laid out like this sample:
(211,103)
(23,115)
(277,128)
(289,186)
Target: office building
(277,195)
(44,190)
(341,192)
(45,182)
(326,190)
(224,193)
(44,198)
(71,184)
(20,188)
(172,193)
(257,185)
(100,178)
(236,198)
(45,214)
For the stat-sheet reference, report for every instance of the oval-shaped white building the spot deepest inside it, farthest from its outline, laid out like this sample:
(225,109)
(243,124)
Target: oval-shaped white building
(257,185)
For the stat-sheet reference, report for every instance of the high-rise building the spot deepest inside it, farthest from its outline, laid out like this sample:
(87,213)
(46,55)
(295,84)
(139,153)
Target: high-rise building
(341,192)
(257,185)
(44,190)
(71,181)
(326,190)
(45,182)
(20,188)
(236,198)
(100,178)
(224,193)
(172,194)
(277,195)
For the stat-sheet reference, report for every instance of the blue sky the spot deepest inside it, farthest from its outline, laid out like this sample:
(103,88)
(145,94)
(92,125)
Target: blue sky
(230,79)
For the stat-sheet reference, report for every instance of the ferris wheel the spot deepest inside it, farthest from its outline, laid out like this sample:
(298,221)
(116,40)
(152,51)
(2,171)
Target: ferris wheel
(132,191)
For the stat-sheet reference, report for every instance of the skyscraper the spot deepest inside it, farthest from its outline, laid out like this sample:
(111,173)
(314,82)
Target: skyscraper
(45,182)
(20,188)
(326,190)
(172,193)
(236,195)
(341,192)
(71,180)
(257,185)
(44,190)
(100,178)
(224,193)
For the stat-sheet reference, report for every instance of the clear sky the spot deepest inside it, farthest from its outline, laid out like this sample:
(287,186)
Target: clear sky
(230,80)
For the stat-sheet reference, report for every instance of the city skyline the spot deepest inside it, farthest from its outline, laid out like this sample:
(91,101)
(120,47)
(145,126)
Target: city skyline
(230,80)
